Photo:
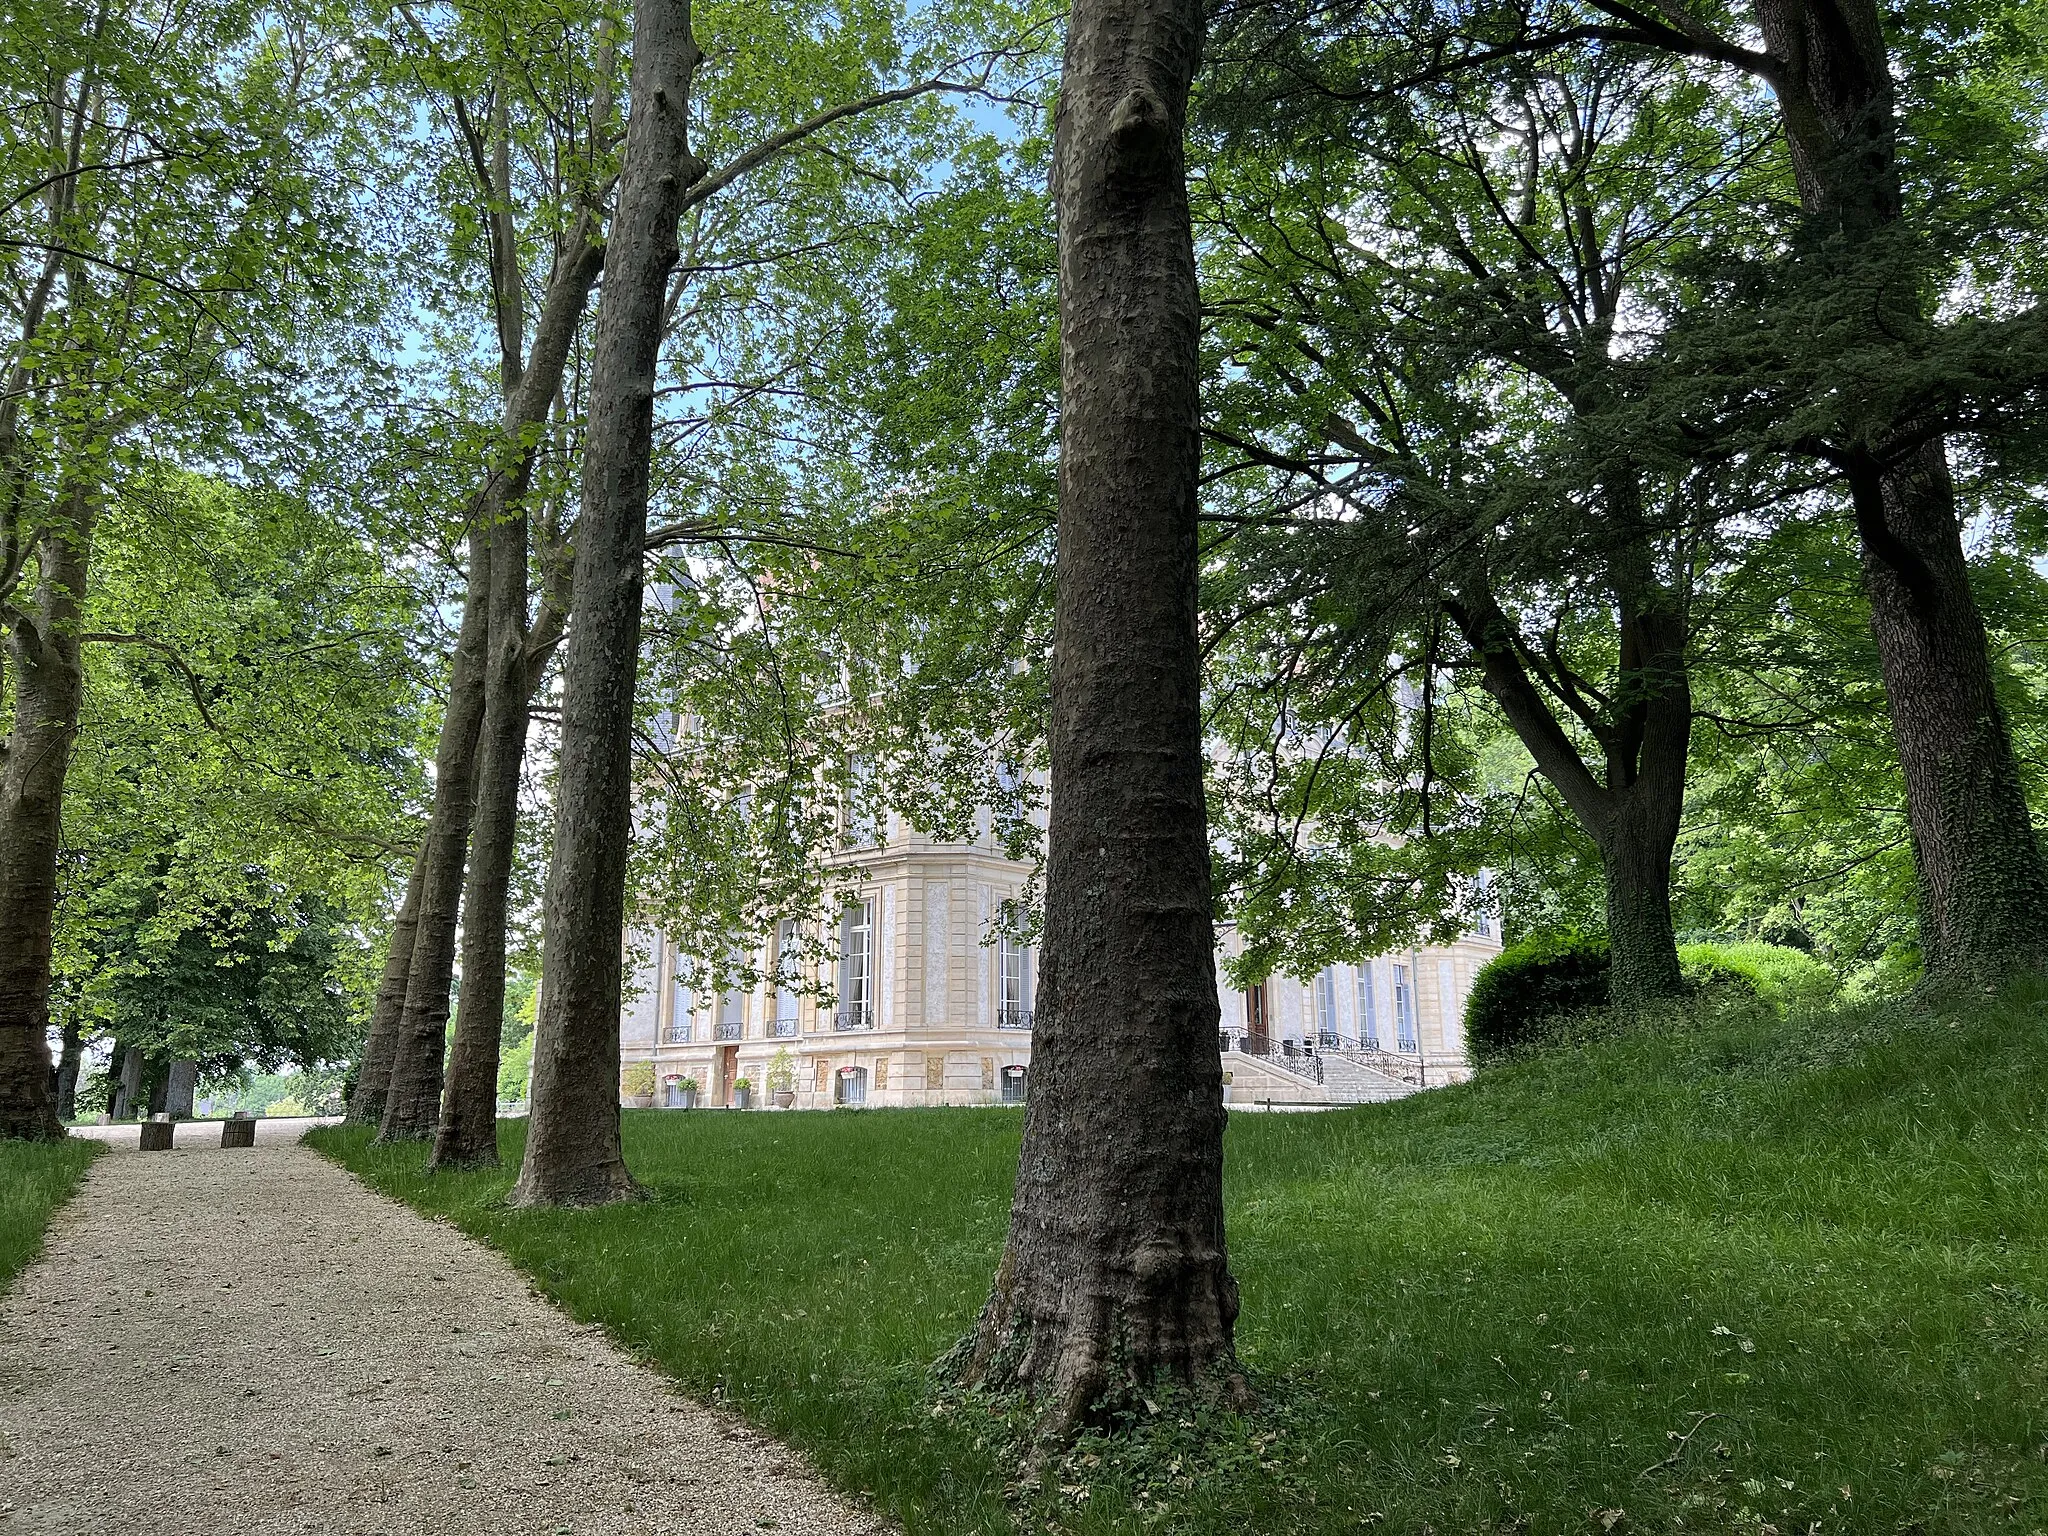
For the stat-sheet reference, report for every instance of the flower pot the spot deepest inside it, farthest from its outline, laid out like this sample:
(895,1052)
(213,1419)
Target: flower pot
(639,1100)
(743,1098)
(784,1097)
(689,1099)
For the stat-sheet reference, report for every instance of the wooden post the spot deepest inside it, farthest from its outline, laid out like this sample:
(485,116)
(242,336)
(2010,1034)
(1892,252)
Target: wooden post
(156,1134)
(238,1130)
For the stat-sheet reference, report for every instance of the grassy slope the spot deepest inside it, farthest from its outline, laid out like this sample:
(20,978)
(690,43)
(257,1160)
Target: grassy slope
(35,1178)
(1491,1307)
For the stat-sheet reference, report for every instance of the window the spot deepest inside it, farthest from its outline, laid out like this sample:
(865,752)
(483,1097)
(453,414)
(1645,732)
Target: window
(1326,1007)
(1015,1079)
(1404,1009)
(857,966)
(850,1086)
(1013,1006)
(783,1020)
(1482,903)
(683,1005)
(862,822)
(1368,1006)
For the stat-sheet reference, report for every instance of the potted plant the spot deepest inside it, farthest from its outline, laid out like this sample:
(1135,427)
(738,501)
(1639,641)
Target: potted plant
(636,1085)
(686,1091)
(742,1093)
(782,1078)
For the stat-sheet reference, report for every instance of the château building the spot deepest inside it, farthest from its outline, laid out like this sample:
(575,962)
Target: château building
(930,1005)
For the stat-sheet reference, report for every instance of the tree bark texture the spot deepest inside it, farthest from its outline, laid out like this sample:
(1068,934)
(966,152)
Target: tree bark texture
(468,1132)
(1983,884)
(1115,1271)
(412,1100)
(373,1073)
(573,1153)
(48,687)
(69,1060)
(181,1080)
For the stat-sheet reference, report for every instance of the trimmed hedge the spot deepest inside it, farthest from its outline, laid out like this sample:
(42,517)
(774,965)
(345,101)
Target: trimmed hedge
(1517,995)
(1528,983)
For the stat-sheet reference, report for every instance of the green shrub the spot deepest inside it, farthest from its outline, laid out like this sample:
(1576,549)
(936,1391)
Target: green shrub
(1525,993)
(1773,973)
(1545,975)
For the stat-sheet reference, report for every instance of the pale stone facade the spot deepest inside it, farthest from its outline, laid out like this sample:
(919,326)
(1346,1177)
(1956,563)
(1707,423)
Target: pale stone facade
(933,1007)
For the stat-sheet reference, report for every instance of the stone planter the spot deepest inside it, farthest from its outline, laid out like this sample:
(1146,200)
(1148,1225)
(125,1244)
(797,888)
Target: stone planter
(784,1097)
(638,1100)
(743,1098)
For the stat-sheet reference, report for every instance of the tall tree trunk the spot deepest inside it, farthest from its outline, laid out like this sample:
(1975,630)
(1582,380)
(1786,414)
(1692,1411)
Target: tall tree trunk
(468,1132)
(48,687)
(373,1072)
(573,1153)
(1983,883)
(68,1062)
(412,1101)
(1115,1271)
(1983,886)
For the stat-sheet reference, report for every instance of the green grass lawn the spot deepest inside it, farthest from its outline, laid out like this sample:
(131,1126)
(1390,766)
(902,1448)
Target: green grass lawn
(1818,1252)
(35,1178)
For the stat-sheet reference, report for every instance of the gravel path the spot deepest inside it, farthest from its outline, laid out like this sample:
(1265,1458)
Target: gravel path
(254,1342)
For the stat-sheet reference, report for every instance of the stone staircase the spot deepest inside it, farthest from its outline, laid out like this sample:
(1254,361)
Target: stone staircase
(1326,1079)
(1354,1078)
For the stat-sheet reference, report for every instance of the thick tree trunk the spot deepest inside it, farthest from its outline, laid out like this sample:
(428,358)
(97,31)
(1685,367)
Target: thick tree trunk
(412,1100)
(373,1073)
(573,1153)
(181,1080)
(1115,1271)
(48,688)
(1983,885)
(468,1132)
(1635,856)
(69,1060)
(1983,882)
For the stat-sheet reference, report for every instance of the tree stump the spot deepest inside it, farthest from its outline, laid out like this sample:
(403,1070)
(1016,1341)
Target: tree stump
(156,1135)
(238,1131)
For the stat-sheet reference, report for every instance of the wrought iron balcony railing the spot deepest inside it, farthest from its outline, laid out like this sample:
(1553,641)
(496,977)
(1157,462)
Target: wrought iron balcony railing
(679,1034)
(1013,1018)
(782,1029)
(726,1029)
(853,1018)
